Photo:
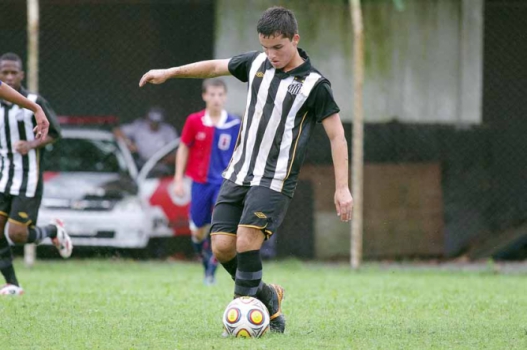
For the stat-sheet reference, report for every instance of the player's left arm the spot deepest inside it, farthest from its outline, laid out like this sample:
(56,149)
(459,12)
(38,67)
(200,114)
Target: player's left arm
(339,152)
(200,70)
(9,94)
(23,147)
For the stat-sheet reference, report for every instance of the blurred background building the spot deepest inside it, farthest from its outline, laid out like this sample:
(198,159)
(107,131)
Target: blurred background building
(445,83)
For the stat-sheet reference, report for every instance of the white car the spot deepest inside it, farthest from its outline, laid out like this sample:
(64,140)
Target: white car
(91,182)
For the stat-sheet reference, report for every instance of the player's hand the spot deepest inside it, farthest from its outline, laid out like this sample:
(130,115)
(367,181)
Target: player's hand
(343,203)
(22,147)
(179,188)
(42,128)
(154,76)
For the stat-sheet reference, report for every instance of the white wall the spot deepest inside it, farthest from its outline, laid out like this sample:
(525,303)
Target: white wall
(423,64)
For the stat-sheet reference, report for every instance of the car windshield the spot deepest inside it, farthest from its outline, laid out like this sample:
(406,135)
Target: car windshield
(84,155)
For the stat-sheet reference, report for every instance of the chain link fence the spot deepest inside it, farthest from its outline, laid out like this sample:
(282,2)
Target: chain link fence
(431,190)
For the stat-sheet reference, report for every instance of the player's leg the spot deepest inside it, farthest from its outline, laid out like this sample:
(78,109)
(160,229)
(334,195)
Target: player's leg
(12,286)
(199,219)
(23,216)
(263,213)
(249,240)
(213,262)
(225,219)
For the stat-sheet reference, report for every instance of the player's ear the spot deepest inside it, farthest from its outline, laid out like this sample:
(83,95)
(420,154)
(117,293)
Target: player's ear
(23,75)
(296,39)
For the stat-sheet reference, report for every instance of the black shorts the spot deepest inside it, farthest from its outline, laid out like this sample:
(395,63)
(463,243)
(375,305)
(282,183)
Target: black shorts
(257,207)
(21,210)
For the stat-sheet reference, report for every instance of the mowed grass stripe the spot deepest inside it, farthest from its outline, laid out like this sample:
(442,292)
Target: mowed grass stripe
(93,304)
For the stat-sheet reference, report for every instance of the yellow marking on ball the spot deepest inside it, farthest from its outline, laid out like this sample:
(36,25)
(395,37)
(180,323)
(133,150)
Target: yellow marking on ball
(256,317)
(232,315)
(243,334)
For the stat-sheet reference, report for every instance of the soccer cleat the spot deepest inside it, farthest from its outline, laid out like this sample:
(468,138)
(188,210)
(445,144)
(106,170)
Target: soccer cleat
(62,241)
(11,289)
(275,310)
(209,281)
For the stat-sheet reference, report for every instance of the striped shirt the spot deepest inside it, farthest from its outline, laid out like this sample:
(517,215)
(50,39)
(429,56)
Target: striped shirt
(282,109)
(21,174)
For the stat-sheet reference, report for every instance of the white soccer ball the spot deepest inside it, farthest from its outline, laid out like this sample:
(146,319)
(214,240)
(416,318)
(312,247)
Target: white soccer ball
(246,317)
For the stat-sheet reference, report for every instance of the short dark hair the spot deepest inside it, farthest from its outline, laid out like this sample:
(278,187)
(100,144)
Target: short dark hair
(12,57)
(213,82)
(277,21)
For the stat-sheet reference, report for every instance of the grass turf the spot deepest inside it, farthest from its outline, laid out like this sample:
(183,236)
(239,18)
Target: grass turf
(149,305)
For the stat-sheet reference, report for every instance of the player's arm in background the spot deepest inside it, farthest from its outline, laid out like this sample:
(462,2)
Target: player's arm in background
(125,133)
(54,132)
(200,70)
(9,94)
(182,154)
(181,164)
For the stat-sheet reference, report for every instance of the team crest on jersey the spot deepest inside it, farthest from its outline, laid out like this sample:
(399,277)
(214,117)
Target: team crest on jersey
(201,136)
(294,88)
(259,75)
(224,142)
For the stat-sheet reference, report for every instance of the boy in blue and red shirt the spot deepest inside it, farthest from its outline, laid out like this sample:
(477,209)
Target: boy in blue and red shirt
(207,144)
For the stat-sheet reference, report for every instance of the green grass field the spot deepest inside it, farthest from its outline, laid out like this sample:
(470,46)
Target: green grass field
(89,304)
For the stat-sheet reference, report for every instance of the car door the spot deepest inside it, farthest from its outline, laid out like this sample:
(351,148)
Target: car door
(168,212)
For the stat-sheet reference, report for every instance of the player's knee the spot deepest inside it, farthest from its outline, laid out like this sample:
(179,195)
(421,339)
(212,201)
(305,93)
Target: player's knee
(199,234)
(17,234)
(223,247)
(249,239)
(3,222)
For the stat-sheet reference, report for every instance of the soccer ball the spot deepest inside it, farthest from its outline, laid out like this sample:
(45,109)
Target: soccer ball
(246,317)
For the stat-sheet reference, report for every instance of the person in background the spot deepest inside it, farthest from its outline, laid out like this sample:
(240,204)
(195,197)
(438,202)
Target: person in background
(21,154)
(207,143)
(145,136)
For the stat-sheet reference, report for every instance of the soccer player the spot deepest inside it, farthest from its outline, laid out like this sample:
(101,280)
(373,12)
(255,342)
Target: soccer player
(207,143)
(20,171)
(286,97)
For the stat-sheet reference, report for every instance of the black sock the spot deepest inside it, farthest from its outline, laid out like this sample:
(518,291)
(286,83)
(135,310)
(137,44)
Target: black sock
(37,233)
(9,275)
(231,267)
(248,274)
(6,261)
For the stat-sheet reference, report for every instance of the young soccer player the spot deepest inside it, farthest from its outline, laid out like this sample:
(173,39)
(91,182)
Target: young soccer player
(20,169)
(286,97)
(207,143)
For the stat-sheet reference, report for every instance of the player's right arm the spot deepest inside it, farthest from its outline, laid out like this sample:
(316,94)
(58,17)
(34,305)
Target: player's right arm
(186,141)
(9,94)
(181,165)
(200,70)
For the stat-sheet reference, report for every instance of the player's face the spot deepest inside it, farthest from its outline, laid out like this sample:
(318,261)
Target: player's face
(11,73)
(279,50)
(215,97)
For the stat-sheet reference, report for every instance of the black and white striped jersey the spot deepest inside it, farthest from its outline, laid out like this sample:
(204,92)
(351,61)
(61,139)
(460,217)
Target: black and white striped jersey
(282,109)
(22,174)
